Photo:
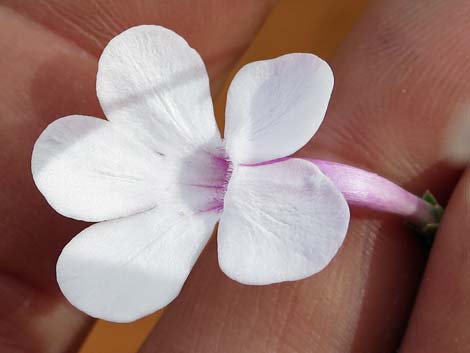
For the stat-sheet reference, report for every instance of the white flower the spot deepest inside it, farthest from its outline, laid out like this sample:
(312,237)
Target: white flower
(158,176)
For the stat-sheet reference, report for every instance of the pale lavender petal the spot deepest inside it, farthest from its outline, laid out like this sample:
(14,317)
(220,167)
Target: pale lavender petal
(90,170)
(124,269)
(150,80)
(281,222)
(93,170)
(274,107)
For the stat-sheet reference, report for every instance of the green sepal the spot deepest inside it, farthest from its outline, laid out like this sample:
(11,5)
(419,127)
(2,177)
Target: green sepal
(437,210)
(428,232)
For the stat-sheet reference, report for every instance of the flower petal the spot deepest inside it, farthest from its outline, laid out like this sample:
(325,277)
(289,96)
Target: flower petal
(93,170)
(124,269)
(150,79)
(275,106)
(89,170)
(281,222)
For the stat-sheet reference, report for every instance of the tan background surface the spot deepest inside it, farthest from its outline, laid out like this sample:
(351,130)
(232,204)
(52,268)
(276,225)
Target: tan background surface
(315,26)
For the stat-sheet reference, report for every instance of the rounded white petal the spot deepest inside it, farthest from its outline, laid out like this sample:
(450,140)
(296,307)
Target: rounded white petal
(281,222)
(89,170)
(94,170)
(152,81)
(275,106)
(124,269)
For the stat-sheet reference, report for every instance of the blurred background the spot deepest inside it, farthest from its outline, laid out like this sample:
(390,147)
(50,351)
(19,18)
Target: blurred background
(315,26)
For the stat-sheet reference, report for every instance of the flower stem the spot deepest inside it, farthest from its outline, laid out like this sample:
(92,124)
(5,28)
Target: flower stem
(369,190)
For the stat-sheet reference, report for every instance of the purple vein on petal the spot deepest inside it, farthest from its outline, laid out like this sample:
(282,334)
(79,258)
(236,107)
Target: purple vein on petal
(221,187)
(218,173)
(272,161)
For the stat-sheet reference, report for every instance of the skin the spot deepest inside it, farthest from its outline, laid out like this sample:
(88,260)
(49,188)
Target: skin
(399,77)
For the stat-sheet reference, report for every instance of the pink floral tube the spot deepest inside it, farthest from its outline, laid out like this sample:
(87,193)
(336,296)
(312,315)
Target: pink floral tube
(369,190)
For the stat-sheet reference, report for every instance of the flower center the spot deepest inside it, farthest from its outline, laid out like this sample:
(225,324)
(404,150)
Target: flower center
(223,168)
